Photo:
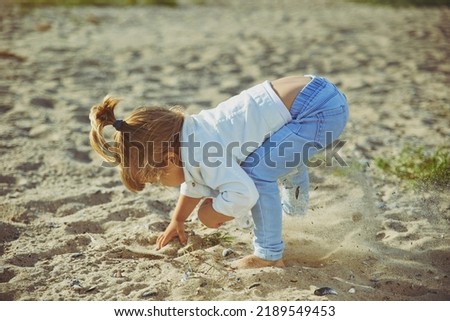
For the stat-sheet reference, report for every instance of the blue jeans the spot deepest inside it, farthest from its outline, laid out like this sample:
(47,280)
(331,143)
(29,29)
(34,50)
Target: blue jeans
(319,115)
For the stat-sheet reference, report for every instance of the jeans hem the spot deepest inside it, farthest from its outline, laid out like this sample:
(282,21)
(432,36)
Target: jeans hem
(268,255)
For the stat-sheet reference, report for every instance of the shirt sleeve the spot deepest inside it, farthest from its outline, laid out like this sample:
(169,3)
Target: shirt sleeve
(237,192)
(194,190)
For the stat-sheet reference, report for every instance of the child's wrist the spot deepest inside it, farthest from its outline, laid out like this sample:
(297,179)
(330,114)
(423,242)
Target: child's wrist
(176,219)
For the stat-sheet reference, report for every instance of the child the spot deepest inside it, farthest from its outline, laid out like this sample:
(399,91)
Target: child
(232,155)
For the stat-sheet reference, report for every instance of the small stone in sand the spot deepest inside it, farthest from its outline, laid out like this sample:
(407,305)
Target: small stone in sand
(325,291)
(42,102)
(92,288)
(254,285)
(149,293)
(226,252)
(76,255)
(185,277)
(352,291)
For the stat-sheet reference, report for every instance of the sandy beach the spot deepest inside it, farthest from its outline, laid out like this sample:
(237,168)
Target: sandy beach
(69,230)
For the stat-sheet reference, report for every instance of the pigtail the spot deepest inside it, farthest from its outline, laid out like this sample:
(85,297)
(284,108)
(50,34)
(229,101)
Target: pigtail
(103,115)
(141,143)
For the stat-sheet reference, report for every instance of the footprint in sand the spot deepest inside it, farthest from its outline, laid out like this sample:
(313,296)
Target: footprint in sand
(78,155)
(29,166)
(83,227)
(82,118)
(122,215)
(73,245)
(61,207)
(25,260)
(7,98)
(8,233)
(6,274)
(132,254)
(15,213)
(44,102)
(69,209)
(396,226)
(6,184)
(8,296)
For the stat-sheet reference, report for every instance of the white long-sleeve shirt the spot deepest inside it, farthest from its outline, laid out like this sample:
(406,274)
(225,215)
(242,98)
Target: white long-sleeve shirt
(215,141)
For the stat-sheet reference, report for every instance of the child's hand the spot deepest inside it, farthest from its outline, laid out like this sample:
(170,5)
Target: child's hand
(174,229)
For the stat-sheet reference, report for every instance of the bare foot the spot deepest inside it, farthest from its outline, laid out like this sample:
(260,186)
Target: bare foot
(254,262)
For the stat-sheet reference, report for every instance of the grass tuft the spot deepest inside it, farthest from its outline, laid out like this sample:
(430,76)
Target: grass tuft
(353,166)
(217,238)
(416,165)
(406,3)
(74,3)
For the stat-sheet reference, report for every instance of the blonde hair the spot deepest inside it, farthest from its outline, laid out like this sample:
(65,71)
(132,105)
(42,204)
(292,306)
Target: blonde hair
(142,143)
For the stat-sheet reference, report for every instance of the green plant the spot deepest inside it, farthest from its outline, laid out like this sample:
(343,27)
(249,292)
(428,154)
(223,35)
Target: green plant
(217,238)
(416,165)
(36,3)
(352,167)
(405,3)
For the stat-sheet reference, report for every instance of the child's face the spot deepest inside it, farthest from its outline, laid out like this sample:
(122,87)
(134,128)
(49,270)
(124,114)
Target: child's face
(172,176)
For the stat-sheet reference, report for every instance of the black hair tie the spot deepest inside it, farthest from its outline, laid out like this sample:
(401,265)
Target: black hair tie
(118,124)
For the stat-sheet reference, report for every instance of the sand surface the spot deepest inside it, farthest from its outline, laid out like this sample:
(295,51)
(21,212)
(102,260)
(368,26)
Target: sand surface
(70,231)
